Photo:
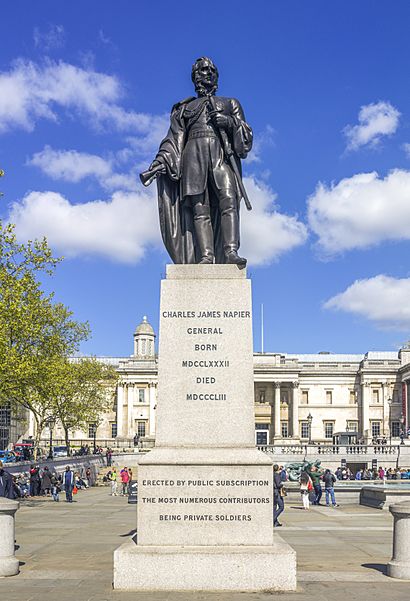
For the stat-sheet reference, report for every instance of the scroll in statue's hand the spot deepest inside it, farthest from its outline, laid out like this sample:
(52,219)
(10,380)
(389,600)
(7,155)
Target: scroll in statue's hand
(155,163)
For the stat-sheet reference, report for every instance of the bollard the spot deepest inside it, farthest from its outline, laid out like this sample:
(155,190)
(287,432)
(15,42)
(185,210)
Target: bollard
(399,566)
(9,564)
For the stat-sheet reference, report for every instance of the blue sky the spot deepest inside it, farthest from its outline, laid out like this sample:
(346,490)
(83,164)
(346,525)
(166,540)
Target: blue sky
(85,94)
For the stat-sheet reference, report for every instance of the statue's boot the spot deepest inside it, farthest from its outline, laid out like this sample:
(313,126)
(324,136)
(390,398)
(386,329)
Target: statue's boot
(230,231)
(204,234)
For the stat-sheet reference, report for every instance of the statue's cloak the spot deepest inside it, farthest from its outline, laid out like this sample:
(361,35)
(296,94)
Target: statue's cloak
(175,214)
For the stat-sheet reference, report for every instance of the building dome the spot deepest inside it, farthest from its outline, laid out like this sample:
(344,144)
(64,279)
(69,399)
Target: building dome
(144,340)
(144,327)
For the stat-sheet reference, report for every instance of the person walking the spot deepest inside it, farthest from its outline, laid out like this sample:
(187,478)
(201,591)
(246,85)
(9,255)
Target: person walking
(108,455)
(6,484)
(278,495)
(113,480)
(69,483)
(330,480)
(305,487)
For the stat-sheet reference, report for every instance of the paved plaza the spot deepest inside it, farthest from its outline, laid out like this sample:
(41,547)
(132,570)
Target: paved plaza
(66,553)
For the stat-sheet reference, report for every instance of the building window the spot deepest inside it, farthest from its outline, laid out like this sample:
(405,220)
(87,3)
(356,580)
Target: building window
(395,429)
(328,397)
(4,437)
(304,429)
(141,395)
(328,429)
(352,397)
(5,416)
(92,429)
(284,429)
(261,426)
(375,396)
(304,397)
(113,430)
(141,428)
(352,426)
(375,429)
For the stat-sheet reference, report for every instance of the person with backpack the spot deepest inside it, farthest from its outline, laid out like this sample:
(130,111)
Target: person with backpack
(329,480)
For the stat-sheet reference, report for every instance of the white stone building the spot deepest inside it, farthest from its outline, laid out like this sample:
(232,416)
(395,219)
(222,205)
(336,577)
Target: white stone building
(306,397)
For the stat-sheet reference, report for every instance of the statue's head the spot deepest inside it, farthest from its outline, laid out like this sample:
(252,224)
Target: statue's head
(205,76)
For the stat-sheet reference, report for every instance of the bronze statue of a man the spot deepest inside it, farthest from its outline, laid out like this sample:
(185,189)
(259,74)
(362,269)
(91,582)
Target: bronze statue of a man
(198,169)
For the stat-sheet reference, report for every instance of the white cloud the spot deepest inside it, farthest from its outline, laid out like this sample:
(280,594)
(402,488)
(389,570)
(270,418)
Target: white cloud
(381,299)
(375,120)
(73,166)
(361,211)
(121,228)
(51,39)
(70,165)
(29,92)
(261,141)
(266,234)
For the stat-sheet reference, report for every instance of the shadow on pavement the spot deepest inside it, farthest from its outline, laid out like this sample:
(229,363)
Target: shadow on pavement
(379,567)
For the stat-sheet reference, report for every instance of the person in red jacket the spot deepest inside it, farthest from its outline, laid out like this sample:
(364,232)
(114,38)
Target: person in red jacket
(125,478)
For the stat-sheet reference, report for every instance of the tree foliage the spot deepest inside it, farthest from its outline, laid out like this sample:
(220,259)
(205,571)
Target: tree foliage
(82,392)
(35,331)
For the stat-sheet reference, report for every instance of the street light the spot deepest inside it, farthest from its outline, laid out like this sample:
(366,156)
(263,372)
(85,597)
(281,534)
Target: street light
(402,433)
(51,423)
(390,400)
(309,421)
(94,427)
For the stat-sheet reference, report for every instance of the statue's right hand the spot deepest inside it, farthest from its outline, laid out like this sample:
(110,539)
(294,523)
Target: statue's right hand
(155,163)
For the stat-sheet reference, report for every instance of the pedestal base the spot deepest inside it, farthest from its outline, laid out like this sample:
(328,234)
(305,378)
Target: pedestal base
(213,568)
(9,566)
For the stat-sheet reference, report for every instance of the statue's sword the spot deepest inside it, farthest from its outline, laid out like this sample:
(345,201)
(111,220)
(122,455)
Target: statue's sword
(228,152)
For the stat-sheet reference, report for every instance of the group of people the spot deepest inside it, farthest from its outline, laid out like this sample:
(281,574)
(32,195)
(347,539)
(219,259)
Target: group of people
(310,485)
(381,473)
(43,482)
(125,480)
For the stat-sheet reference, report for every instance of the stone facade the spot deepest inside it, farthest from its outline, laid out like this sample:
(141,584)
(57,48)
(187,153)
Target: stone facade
(341,392)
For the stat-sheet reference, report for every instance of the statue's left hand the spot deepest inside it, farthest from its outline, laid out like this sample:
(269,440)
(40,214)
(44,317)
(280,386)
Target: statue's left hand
(220,120)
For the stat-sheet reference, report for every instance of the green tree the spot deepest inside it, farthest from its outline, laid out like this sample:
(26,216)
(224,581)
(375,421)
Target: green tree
(34,330)
(82,391)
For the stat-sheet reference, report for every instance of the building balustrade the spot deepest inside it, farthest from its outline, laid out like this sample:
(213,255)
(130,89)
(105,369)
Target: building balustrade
(325,449)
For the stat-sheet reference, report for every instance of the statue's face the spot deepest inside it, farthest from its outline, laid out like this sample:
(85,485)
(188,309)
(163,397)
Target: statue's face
(206,76)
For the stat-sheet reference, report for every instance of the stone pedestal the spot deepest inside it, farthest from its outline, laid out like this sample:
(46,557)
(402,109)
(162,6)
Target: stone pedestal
(9,564)
(205,494)
(399,566)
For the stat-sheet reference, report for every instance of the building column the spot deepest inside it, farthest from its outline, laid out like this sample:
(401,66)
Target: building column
(276,412)
(120,405)
(364,413)
(130,412)
(295,410)
(152,407)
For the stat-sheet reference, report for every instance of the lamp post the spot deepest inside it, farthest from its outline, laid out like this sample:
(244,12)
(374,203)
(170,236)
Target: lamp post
(94,427)
(309,421)
(402,433)
(51,423)
(390,400)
